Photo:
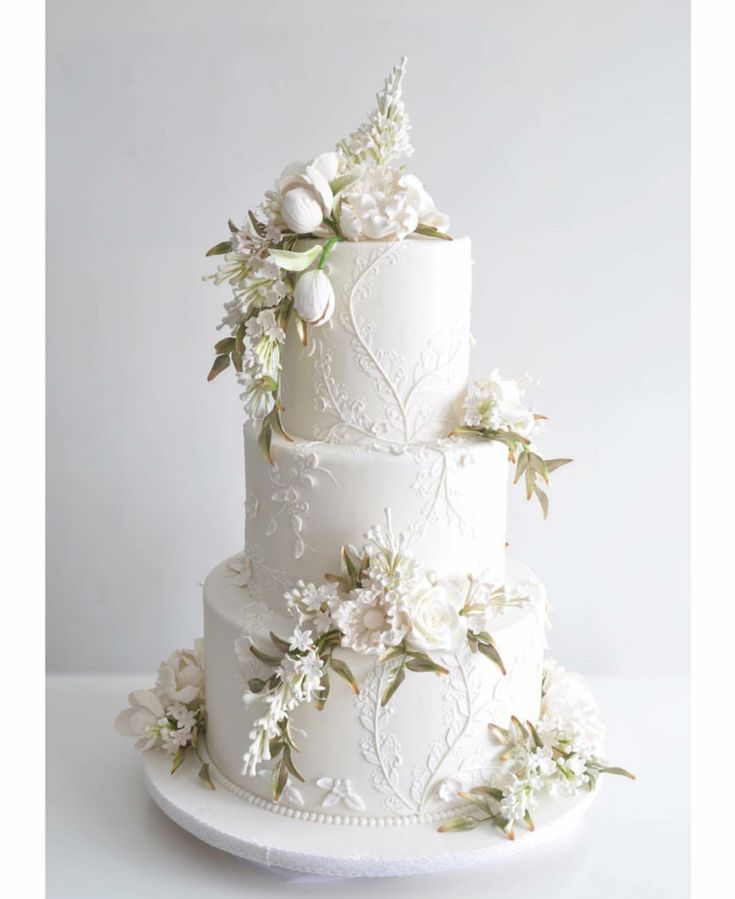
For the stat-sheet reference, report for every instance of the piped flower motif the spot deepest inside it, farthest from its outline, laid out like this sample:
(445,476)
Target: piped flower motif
(339,791)
(291,794)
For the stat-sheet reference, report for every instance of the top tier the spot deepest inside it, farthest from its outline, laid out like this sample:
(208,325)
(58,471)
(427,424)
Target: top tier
(392,363)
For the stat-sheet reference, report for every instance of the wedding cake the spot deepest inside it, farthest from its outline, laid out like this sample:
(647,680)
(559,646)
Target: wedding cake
(373,658)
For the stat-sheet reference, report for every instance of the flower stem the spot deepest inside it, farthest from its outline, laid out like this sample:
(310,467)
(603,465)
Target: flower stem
(327,250)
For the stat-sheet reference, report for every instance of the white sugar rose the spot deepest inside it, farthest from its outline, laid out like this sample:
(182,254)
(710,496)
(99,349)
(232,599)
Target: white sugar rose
(314,297)
(435,622)
(304,194)
(384,204)
(427,212)
(181,676)
(567,697)
(141,719)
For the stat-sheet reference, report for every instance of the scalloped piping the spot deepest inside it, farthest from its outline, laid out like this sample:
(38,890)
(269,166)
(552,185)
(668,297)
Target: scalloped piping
(320,817)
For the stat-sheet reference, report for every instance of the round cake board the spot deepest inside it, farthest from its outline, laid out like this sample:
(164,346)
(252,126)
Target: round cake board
(233,825)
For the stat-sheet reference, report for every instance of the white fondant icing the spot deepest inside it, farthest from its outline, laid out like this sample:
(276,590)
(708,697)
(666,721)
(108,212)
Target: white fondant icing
(393,362)
(449,496)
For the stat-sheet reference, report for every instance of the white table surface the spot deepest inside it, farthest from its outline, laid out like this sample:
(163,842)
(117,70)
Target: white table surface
(106,838)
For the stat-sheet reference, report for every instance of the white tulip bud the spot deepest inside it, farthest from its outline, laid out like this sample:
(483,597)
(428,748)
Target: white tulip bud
(314,297)
(301,210)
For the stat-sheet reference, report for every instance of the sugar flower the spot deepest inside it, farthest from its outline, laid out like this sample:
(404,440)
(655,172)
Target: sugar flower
(181,676)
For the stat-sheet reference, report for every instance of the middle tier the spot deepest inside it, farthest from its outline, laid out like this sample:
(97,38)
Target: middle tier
(448,496)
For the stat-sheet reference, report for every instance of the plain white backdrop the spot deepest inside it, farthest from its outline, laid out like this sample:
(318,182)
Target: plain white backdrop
(554,134)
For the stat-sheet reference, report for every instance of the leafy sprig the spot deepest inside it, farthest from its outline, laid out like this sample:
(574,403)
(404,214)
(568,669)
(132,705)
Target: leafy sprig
(282,746)
(519,740)
(529,465)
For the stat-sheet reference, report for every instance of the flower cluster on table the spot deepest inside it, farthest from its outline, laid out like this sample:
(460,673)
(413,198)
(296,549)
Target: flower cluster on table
(559,755)
(172,716)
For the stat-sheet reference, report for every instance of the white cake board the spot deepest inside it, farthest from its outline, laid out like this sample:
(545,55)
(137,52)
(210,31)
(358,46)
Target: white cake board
(233,825)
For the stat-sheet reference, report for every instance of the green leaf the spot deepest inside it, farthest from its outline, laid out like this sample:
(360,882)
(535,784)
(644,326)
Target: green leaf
(529,821)
(483,790)
(280,777)
(349,564)
(457,824)
(288,736)
(621,772)
(397,678)
(428,231)
(340,183)
(255,685)
(421,662)
(501,733)
(392,653)
(534,734)
(265,439)
(520,728)
(290,767)
(543,499)
(237,361)
(490,652)
(295,261)
(538,465)
(282,645)
(226,345)
(219,249)
(342,669)
(521,467)
(264,657)
(259,226)
(530,482)
(278,424)
(219,365)
(178,760)
(553,464)
(205,776)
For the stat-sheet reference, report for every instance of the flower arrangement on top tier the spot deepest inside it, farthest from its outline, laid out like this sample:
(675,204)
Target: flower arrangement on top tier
(494,409)
(172,716)
(380,604)
(359,191)
(559,755)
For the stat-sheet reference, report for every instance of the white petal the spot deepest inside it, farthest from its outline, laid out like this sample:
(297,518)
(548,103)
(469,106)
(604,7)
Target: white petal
(327,164)
(294,261)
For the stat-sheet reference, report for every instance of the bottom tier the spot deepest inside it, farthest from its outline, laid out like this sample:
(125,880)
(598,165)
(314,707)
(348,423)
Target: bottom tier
(364,763)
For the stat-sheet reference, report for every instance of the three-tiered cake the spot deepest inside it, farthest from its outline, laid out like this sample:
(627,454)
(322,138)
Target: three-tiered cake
(372,657)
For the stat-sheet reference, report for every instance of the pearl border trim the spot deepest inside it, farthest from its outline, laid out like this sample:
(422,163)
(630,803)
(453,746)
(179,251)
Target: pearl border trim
(320,817)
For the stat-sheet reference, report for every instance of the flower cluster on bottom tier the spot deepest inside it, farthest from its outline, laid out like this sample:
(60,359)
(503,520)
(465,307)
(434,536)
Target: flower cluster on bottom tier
(358,757)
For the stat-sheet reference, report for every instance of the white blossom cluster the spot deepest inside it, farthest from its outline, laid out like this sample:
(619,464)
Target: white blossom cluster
(385,136)
(396,602)
(298,680)
(486,600)
(312,606)
(559,757)
(172,714)
(493,403)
